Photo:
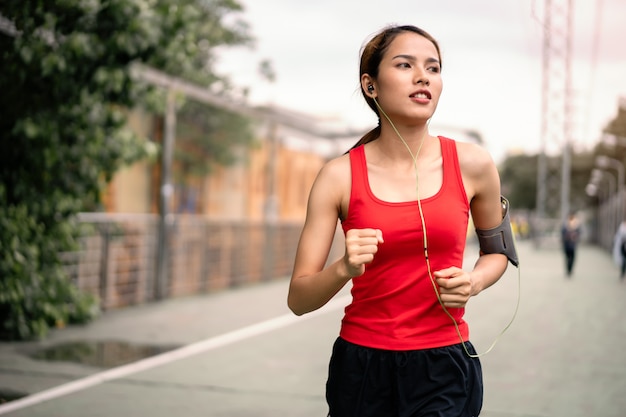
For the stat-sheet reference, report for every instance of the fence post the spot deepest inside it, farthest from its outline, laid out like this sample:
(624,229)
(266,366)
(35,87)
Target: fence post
(104,263)
(269,249)
(205,259)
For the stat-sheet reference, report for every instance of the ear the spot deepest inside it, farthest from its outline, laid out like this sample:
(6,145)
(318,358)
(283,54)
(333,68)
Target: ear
(366,81)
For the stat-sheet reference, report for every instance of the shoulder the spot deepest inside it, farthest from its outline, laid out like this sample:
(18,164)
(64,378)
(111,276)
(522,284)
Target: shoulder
(474,159)
(480,175)
(336,169)
(330,190)
(334,178)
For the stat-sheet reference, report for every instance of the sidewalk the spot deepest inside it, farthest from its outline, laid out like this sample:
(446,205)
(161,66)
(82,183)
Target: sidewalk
(241,352)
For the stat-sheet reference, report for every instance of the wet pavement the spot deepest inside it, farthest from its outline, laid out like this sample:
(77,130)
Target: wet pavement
(241,353)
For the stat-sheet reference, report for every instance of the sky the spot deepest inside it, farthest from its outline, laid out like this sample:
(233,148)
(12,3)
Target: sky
(491,54)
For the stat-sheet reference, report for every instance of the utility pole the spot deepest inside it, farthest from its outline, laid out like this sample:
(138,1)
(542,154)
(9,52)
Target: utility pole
(556,112)
(166,191)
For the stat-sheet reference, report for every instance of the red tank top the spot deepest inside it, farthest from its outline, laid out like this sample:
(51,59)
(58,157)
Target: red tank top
(394,305)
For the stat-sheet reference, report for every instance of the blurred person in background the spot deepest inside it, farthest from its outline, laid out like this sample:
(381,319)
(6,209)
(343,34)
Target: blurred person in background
(619,249)
(570,236)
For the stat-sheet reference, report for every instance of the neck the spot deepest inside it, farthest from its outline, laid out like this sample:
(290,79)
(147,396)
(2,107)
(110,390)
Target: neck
(402,142)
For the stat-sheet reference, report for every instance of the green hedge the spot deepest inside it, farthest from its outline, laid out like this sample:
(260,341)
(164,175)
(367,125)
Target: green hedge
(35,292)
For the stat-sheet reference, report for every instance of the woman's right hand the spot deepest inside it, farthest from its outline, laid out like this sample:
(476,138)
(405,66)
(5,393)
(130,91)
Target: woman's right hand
(361,246)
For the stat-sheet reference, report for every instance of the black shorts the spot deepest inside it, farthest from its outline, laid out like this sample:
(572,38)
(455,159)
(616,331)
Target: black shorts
(365,382)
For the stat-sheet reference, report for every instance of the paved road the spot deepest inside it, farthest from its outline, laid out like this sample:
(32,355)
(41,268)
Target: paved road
(242,354)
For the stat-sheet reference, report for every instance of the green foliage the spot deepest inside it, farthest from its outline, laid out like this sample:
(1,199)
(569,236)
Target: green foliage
(518,174)
(196,28)
(614,140)
(34,291)
(207,137)
(66,85)
(617,126)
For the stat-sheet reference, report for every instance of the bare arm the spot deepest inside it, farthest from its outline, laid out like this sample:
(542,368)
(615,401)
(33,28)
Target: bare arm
(482,183)
(487,213)
(311,284)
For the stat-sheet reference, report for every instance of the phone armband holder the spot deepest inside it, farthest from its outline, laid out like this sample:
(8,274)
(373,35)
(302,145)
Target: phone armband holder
(500,238)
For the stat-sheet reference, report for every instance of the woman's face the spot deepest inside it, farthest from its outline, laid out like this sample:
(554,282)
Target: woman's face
(409,80)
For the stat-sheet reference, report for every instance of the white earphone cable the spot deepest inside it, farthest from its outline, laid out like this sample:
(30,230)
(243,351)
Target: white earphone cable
(430,275)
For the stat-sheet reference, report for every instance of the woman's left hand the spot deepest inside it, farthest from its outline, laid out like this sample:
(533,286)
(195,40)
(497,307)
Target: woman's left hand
(455,286)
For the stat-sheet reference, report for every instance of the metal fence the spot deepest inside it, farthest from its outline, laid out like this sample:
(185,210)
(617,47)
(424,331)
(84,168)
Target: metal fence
(117,260)
(607,218)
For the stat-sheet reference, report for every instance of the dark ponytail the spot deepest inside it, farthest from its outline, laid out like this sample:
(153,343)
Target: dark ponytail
(368,137)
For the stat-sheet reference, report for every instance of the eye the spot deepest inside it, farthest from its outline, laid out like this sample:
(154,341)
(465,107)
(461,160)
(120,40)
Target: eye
(403,65)
(435,69)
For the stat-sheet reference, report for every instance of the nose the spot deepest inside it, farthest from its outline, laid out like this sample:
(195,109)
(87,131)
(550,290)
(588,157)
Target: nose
(421,76)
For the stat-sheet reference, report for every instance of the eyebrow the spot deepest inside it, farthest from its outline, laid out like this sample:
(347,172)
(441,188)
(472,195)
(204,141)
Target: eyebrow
(413,58)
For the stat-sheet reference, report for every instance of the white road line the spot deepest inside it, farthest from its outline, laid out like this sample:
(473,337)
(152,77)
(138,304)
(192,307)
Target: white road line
(168,357)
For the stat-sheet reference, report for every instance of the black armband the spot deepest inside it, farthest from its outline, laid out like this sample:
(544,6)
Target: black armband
(500,238)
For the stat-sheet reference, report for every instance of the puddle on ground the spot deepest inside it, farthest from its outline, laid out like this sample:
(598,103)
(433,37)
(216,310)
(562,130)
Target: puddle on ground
(101,354)
(7,394)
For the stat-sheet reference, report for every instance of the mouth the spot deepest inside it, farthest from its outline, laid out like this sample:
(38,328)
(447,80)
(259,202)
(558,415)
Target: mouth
(421,94)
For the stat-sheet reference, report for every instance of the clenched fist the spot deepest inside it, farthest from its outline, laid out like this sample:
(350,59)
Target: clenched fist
(455,286)
(361,246)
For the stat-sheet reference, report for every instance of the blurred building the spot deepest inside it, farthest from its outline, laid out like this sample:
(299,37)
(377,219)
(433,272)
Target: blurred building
(271,180)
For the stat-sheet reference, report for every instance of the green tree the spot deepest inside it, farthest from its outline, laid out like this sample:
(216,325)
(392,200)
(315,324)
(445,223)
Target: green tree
(206,137)
(518,175)
(617,126)
(613,144)
(66,85)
